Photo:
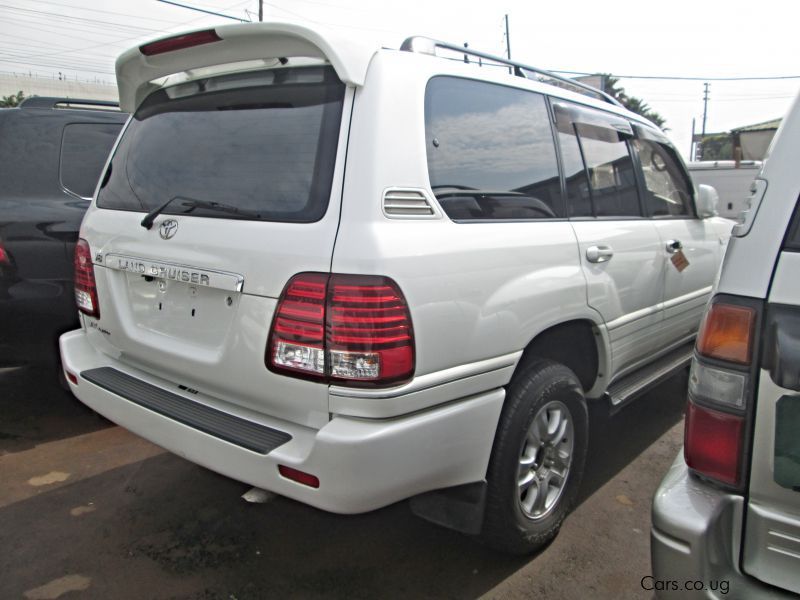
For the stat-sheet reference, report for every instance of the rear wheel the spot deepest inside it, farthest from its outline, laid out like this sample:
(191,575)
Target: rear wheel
(538,458)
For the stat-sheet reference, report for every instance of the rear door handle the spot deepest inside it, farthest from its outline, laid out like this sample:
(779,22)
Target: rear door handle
(674,246)
(599,254)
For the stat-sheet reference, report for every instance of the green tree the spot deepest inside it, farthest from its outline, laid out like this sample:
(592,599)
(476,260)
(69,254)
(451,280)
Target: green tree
(612,87)
(716,147)
(12,100)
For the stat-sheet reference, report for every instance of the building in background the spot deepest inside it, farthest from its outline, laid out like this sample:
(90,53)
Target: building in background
(743,143)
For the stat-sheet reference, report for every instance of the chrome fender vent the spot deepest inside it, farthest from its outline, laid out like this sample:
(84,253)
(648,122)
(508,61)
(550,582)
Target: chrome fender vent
(408,204)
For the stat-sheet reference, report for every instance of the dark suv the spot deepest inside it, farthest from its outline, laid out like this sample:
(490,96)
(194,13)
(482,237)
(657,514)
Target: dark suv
(51,153)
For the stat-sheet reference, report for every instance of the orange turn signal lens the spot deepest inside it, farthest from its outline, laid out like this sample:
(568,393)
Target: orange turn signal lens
(727,333)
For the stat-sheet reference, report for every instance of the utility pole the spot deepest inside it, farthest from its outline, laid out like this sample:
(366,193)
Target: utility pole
(692,147)
(508,46)
(260,10)
(705,106)
(508,41)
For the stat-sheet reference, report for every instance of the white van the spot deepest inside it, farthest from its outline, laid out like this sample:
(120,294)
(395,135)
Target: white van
(354,275)
(731,179)
(726,517)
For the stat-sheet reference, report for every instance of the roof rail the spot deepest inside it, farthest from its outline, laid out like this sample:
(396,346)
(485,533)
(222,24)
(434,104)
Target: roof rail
(425,45)
(55,102)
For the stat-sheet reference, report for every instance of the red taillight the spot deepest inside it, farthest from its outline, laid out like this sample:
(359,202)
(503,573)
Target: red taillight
(297,339)
(85,287)
(713,443)
(179,42)
(342,328)
(299,476)
(4,258)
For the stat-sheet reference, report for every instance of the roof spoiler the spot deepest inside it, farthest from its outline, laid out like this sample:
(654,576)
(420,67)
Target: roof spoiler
(236,43)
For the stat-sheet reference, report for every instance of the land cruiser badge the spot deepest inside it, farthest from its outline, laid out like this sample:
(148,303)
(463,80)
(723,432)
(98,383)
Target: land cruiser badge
(168,229)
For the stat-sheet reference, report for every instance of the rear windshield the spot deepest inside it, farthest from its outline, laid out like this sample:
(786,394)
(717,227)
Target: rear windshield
(262,142)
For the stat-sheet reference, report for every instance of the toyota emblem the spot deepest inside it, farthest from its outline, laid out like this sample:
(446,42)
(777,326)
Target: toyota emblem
(168,229)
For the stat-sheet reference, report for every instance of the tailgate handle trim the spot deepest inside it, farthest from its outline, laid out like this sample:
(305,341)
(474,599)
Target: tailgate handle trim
(221,280)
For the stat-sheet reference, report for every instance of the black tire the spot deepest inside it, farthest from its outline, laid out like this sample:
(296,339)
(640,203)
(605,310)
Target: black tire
(544,390)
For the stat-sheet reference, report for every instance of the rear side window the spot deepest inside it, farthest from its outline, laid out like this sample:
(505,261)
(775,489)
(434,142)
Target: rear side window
(261,142)
(668,189)
(84,150)
(607,186)
(490,149)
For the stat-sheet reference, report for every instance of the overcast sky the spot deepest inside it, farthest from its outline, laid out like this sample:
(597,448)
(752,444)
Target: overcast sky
(682,38)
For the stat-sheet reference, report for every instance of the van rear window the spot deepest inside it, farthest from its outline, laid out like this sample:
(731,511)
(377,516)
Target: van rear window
(262,142)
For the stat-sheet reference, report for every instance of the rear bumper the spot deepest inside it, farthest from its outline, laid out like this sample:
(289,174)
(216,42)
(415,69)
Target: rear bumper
(362,464)
(696,538)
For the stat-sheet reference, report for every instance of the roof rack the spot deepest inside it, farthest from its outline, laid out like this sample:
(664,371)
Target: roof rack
(54,102)
(425,45)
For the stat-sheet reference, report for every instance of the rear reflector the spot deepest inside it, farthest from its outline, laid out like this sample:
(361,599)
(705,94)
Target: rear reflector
(713,443)
(299,476)
(179,42)
(342,328)
(727,333)
(85,286)
(72,377)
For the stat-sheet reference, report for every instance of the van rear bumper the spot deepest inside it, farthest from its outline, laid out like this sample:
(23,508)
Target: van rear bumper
(362,464)
(695,541)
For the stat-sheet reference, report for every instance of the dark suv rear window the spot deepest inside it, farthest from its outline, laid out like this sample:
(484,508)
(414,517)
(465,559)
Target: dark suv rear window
(262,142)
(84,150)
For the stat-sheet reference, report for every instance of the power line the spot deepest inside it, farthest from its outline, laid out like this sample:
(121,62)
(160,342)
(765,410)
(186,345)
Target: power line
(202,10)
(678,78)
(29,11)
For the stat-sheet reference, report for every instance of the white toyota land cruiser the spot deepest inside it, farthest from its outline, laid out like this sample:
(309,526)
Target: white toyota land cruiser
(353,275)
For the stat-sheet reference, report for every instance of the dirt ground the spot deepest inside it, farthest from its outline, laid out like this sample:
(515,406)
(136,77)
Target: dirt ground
(88,510)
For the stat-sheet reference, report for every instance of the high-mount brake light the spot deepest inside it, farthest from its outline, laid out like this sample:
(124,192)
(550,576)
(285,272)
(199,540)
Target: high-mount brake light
(85,286)
(351,329)
(179,42)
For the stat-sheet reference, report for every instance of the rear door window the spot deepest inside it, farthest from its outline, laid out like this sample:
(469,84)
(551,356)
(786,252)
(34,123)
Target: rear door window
(84,150)
(603,182)
(261,142)
(491,154)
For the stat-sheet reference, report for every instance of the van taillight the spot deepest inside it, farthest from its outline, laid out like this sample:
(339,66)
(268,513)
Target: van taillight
(727,333)
(351,329)
(85,287)
(713,443)
(720,389)
(179,42)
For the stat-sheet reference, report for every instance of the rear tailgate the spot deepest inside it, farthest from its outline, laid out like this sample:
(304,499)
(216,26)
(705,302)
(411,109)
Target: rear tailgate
(772,535)
(249,164)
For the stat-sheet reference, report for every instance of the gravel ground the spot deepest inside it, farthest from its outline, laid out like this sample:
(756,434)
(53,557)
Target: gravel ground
(88,510)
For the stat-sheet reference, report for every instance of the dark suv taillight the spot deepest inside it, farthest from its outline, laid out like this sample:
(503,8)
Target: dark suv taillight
(721,389)
(85,287)
(350,329)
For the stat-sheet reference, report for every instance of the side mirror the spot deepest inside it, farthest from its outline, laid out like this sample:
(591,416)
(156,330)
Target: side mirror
(706,202)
